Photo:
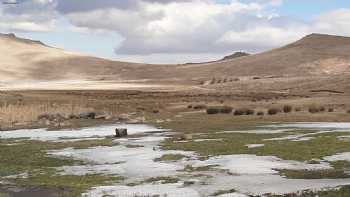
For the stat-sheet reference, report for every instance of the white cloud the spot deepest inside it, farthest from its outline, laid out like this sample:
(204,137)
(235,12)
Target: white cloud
(194,28)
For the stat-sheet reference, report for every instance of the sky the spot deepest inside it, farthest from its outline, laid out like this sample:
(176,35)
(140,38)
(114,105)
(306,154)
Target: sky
(172,31)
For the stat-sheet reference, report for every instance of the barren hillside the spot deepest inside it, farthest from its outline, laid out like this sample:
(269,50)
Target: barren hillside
(315,55)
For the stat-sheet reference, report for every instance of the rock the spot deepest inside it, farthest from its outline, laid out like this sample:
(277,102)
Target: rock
(87,115)
(121,132)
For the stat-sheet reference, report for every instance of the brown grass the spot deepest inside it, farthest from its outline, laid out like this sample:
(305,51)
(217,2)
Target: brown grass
(22,113)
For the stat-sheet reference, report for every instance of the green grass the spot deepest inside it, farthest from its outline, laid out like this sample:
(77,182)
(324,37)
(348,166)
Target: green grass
(339,171)
(190,168)
(163,180)
(30,155)
(234,143)
(170,157)
(340,192)
(75,184)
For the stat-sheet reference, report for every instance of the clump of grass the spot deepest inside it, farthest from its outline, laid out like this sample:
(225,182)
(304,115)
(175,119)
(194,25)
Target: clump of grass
(170,157)
(162,179)
(76,184)
(221,192)
(314,174)
(316,109)
(298,109)
(273,111)
(287,109)
(260,113)
(226,110)
(213,110)
(219,109)
(243,111)
(190,168)
(200,107)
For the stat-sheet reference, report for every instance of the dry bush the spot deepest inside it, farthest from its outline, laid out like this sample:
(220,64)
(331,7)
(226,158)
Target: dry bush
(213,110)
(348,111)
(244,111)
(330,109)
(316,109)
(287,109)
(22,113)
(297,109)
(219,109)
(260,113)
(273,111)
(226,109)
(201,106)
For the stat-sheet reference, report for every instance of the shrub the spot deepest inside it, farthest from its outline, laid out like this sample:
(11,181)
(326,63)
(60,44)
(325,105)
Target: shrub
(250,112)
(330,110)
(199,107)
(260,113)
(298,109)
(315,109)
(226,110)
(190,106)
(213,110)
(348,111)
(287,109)
(273,111)
(241,112)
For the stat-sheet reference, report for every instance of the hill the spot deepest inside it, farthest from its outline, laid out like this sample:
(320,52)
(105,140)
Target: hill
(314,55)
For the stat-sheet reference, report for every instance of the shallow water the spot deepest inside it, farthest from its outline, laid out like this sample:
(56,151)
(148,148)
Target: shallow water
(248,174)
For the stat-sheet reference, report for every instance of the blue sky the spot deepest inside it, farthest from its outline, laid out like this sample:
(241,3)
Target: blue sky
(175,31)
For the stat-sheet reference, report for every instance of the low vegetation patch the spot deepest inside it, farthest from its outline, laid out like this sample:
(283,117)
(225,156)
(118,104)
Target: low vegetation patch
(163,180)
(244,111)
(336,192)
(221,192)
(190,168)
(75,184)
(27,156)
(219,109)
(170,157)
(273,111)
(316,109)
(287,109)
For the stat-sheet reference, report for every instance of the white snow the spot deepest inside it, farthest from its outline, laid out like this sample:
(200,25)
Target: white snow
(339,157)
(64,135)
(255,145)
(255,165)
(168,190)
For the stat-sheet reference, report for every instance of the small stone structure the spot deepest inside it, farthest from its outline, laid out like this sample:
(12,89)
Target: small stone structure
(121,132)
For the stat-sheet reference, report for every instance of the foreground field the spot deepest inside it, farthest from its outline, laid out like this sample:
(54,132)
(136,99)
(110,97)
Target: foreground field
(233,158)
(186,152)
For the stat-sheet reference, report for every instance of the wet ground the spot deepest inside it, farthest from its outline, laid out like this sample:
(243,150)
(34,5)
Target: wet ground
(137,158)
